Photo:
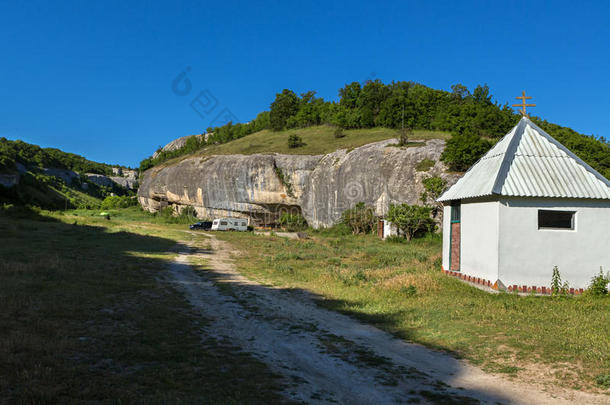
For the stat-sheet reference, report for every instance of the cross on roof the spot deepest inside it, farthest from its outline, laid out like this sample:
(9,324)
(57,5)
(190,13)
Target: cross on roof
(523,104)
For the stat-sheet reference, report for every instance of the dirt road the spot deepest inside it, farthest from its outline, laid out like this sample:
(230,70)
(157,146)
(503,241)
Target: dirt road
(327,357)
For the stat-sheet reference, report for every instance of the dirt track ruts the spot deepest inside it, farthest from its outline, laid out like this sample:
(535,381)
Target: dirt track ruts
(327,357)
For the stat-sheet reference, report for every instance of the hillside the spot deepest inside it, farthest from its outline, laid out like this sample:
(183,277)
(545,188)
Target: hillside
(472,118)
(52,179)
(318,140)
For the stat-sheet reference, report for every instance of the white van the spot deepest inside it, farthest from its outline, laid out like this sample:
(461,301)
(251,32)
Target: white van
(230,224)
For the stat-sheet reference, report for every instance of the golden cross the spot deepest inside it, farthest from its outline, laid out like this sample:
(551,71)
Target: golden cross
(523,104)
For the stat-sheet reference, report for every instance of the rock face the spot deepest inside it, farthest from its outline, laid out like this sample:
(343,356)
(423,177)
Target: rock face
(178,143)
(125,178)
(262,186)
(66,175)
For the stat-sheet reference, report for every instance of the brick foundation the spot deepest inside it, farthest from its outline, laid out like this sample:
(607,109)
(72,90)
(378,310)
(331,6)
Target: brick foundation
(511,288)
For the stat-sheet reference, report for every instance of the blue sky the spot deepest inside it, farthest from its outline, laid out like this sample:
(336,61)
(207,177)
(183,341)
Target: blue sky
(95,78)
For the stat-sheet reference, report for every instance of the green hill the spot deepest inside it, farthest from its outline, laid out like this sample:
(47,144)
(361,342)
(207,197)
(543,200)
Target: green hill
(373,111)
(317,140)
(25,163)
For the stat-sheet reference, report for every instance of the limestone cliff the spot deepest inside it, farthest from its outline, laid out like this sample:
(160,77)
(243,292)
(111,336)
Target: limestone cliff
(262,186)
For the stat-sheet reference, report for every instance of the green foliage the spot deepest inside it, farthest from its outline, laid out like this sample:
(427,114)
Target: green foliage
(285,182)
(339,133)
(599,284)
(557,287)
(295,141)
(33,156)
(285,105)
(292,222)
(603,380)
(433,188)
(409,291)
(116,201)
(472,116)
(360,218)
(411,220)
(463,150)
(403,136)
(424,165)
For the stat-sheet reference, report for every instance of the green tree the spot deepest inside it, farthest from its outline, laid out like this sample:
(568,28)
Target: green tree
(360,218)
(433,188)
(463,150)
(286,105)
(295,141)
(411,220)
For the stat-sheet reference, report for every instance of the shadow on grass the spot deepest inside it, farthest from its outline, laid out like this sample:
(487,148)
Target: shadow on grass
(84,318)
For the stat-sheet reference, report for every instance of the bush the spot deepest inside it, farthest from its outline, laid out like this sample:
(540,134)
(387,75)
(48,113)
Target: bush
(409,291)
(463,150)
(411,220)
(295,141)
(557,287)
(118,202)
(599,284)
(339,133)
(360,219)
(339,229)
(603,380)
(292,222)
(424,165)
(403,136)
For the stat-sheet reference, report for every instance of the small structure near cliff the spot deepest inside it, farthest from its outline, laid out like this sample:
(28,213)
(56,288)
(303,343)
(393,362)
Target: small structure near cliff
(263,186)
(527,205)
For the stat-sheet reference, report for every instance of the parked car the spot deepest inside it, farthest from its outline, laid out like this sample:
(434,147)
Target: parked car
(230,224)
(203,225)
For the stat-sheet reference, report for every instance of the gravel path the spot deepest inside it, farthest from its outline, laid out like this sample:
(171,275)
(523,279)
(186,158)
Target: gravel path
(327,357)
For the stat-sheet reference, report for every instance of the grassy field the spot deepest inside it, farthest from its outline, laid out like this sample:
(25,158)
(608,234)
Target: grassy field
(86,317)
(399,287)
(318,140)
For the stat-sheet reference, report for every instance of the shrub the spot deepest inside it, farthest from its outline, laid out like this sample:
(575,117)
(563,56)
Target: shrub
(424,165)
(603,380)
(463,150)
(340,229)
(295,141)
(339,133)
(599,284)
(557,287)
(409,291)
(292,222)
(360,219)
(403,136)
(411,220)
(118,202)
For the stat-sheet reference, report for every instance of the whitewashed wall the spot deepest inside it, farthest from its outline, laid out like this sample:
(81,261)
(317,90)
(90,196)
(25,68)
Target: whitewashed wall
(479,248)
(527,254)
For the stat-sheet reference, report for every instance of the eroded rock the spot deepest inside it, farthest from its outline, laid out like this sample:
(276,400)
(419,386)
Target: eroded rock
(262,186)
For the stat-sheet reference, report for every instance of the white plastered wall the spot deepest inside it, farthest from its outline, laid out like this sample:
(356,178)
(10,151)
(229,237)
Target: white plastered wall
(527,254)
(479,239)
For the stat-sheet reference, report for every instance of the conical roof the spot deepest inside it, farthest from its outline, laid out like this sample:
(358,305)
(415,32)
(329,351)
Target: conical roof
(528,162)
